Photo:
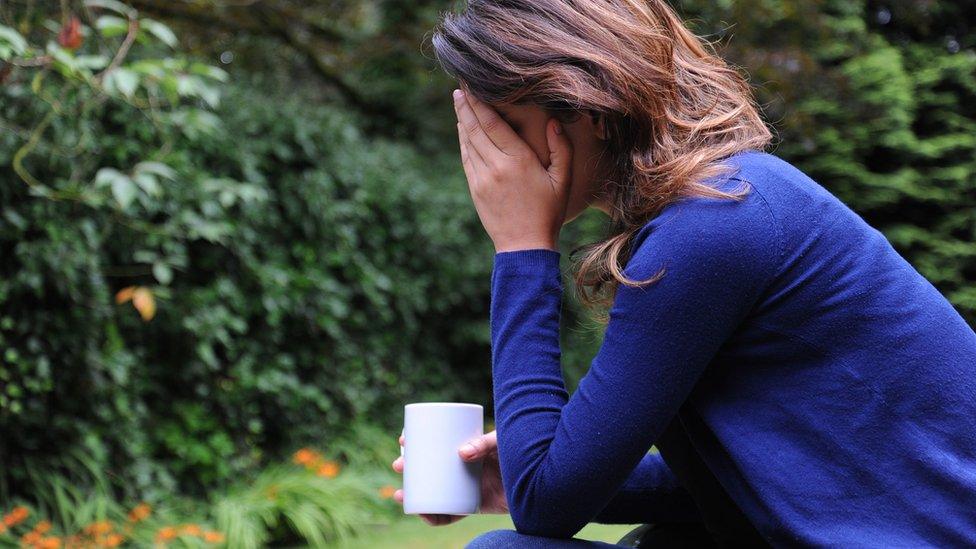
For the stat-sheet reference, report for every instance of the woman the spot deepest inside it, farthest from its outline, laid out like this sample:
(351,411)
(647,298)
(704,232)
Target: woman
(803,383)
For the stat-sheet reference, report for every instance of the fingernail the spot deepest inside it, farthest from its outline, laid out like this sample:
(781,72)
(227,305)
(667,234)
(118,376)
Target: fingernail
(468,449)
(458,94)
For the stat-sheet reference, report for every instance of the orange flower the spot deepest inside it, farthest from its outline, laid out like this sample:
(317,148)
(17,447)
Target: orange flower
(387,491)
(305,456)
(142,299)
(166,533)
(213,537)
(30,538)
(328,469)
(140,512)
(144,302)
(125,294)
(42,527)
(16,516)
(192,530)
(113,540)
(49,543)
(99,527)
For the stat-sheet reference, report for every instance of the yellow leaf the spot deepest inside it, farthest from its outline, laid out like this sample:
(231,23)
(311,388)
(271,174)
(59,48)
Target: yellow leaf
(125,294)
(144,302)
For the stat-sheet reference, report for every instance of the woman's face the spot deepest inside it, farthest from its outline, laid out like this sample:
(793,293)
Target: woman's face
(588,170)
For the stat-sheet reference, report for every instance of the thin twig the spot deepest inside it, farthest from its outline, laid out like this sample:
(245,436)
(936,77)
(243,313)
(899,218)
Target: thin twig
(35,62)
(130,38)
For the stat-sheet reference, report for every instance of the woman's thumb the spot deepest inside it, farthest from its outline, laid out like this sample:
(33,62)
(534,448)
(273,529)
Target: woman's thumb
(560,152)
(479,447)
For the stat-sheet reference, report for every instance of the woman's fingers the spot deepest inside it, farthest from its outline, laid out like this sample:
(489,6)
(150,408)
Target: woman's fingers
(433,520)
(441,520)
(497,130)
(398,464)
(472,127)
(479,447)
(471,159)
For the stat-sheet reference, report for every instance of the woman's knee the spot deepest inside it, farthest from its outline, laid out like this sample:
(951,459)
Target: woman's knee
(495,539)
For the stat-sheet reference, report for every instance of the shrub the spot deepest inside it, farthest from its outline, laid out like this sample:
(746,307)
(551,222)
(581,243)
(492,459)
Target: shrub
(188,291)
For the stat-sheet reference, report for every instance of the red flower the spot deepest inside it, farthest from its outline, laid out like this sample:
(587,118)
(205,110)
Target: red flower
(70,35)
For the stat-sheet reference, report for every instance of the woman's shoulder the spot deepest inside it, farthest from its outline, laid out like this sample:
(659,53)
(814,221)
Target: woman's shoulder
(706,221)
(777,198)
(716,233)
(782,185)
(777,204)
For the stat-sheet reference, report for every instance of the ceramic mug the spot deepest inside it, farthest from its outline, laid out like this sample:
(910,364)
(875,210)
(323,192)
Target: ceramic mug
(435,478)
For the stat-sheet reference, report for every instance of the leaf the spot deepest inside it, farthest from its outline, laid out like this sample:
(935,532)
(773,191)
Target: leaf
(62,57)
(149,67)
(168,84)
(106,176)
(111,26)
(125,294)
(187,85)
(112,5)
(156,168)
(144,302)
(148,183)
(210,95)
(122,80)
(162,272)
(124,191)
(214,73)
(17,44)
(93,62)
(160,31)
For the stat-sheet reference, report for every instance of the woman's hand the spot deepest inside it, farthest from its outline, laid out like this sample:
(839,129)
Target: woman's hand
(522,204)
(492,493)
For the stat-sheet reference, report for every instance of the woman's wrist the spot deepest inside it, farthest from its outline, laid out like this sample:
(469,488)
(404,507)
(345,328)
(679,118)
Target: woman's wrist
(526,262)
(528,245)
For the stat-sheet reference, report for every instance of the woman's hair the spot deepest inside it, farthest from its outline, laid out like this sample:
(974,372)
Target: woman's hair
(673,109)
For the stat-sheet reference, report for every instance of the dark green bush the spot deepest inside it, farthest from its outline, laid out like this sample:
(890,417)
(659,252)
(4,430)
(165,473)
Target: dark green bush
(303,275)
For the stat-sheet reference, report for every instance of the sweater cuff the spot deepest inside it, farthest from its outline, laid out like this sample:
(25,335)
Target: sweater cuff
(526,262)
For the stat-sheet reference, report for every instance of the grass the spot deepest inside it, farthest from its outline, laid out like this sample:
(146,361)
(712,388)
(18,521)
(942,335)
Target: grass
(413,533)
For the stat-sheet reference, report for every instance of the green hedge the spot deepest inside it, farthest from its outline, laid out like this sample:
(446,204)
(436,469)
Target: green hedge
(303,275)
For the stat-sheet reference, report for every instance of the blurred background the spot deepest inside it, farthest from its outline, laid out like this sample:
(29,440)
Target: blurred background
(235,239)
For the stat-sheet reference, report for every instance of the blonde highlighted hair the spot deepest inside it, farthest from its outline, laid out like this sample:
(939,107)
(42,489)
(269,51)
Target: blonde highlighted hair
(673,109)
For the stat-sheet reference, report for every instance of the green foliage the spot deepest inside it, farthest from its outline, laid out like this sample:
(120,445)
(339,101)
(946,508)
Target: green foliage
(291,505)
(300,272)
(80,507)
(283,504)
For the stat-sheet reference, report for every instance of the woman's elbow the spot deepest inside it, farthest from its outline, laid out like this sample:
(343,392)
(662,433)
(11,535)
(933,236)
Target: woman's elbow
(545,521)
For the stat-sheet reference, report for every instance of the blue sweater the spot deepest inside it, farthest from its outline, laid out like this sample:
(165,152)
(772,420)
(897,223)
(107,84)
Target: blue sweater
(789,361)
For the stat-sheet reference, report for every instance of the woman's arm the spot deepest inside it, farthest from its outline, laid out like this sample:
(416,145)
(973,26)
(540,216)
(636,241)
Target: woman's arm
(650,494)
(563,459)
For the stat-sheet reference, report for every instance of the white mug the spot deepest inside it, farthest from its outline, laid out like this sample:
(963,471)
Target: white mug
(435,478)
